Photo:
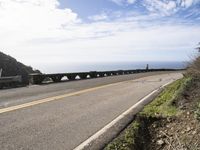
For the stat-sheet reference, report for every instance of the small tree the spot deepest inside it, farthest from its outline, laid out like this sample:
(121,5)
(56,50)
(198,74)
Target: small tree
(198,47)
(194,68)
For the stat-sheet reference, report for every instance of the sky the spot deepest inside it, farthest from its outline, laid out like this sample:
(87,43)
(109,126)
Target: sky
(45,33)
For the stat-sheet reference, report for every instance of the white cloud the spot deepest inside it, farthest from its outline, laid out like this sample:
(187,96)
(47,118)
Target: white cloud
(123,2)
(131,1)
(34,15)
(118,2)
(100,17)
(187,3)
(22,20)
(168,7)
(162,7)
(37,32)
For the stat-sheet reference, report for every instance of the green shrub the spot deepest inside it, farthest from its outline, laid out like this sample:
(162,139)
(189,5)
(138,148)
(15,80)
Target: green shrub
(163,104)
(125,141)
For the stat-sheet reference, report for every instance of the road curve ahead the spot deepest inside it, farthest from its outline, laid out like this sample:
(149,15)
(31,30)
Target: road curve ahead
(68,116)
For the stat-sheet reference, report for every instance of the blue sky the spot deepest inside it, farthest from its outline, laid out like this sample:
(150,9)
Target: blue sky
(183,10)
(89,8)
(95,31)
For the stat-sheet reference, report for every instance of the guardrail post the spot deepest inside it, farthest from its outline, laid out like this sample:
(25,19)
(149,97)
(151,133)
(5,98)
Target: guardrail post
(36,79)
(83,75)
(93,74)
(71,76)
(56,78)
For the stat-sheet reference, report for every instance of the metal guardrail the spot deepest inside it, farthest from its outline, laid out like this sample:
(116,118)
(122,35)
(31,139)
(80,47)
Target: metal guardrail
(39,78)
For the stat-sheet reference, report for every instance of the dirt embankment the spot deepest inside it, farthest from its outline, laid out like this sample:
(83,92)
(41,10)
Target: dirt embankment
(182,131)
(170,122)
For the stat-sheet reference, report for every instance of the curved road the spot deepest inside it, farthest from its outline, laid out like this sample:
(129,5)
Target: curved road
(61,116)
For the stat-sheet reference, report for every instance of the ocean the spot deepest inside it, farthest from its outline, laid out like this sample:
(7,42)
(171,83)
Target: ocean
(106,66)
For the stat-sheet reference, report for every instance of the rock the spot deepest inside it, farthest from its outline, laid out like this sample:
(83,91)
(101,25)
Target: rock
(154,125)
(182,132)
(168,119)
(160,142)
(161,136)
(194,132)
(188,129)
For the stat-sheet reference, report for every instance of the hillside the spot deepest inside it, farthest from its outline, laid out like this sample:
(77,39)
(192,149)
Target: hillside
(11,67)
(170,122)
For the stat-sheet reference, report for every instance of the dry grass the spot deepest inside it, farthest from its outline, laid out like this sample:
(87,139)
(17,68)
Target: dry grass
(194,68)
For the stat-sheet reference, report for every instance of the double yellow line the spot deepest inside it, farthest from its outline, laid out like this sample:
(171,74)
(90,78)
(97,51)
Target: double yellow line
(41,101)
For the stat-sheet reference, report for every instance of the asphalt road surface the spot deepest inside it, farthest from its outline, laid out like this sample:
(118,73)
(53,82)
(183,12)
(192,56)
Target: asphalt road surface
(61,116)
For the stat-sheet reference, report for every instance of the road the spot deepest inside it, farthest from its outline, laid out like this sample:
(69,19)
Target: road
(61,116)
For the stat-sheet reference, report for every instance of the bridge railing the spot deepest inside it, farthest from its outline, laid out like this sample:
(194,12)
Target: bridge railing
(40,78)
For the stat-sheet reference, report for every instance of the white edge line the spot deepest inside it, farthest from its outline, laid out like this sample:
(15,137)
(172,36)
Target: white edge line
(109,125)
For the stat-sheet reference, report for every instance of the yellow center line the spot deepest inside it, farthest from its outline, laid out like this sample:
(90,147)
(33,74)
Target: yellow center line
(37,102)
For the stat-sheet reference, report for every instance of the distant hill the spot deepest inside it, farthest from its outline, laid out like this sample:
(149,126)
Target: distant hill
(11,67)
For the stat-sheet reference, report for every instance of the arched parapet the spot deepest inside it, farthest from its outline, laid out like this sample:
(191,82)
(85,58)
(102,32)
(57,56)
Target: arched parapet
(108,73)
(64,78)
(150,70)
(98,75)
(104,74)
(138,71)
(71,76)
(113,73)
(120,72)
(83,75)
(101,74)
(36,78)
(93,74)
(56,78)
(141,71)
(126,72)
(46,78)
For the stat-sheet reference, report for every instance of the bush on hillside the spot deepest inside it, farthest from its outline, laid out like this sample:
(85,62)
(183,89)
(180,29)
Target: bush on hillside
(194,68)
(11,67)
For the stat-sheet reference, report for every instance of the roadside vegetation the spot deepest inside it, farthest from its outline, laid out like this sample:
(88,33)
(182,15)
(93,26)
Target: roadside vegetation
(170,122)
(163,105)
(127,139)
